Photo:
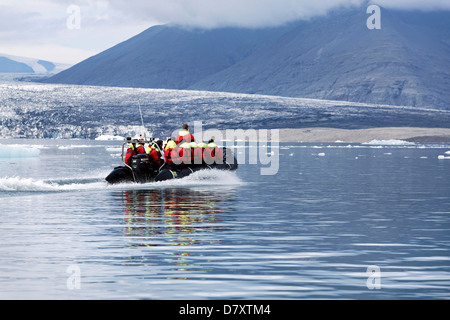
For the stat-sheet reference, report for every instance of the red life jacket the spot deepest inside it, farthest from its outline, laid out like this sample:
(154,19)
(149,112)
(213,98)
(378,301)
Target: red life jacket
(208,155)
(218,155)
(185,136)
(154,156)
(140,150)
(167,155)
(198,156)
(213,155)
(176,156)
(132,152)
(187,156)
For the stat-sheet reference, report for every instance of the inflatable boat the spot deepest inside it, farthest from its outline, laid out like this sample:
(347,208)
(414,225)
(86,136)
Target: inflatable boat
(142,170)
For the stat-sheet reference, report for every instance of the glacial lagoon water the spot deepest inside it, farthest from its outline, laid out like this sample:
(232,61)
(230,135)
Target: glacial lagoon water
(337,221)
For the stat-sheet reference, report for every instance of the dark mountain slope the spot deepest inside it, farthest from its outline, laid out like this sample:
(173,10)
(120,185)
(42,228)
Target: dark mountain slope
(335,57)
(167,57)
(338,58)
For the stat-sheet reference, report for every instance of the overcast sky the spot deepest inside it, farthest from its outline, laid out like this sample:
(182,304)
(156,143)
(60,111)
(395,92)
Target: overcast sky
(39,28)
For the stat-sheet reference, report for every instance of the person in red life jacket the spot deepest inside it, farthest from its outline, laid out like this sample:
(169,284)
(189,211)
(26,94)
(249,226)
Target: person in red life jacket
(152,166)
(177,157)
(170,146)
(184,135)
(154,155)
(197,157)
(174,155)
(133,149)
(213,154)
(186,153)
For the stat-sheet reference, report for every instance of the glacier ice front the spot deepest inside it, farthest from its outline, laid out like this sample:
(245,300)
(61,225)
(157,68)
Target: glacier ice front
(18,151)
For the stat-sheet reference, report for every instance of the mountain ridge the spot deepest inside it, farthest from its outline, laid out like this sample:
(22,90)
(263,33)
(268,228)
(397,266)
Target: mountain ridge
(334,57)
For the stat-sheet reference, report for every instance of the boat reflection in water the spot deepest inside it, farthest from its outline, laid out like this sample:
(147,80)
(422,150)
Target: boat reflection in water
(173,224)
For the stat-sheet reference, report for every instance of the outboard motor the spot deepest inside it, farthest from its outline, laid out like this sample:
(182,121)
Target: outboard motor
(141,169)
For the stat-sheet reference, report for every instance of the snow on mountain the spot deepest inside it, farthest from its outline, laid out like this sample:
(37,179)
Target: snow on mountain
(333,57)
(10,66)
(15,64)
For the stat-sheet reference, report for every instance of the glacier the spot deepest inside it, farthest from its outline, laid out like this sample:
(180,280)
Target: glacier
(37,110)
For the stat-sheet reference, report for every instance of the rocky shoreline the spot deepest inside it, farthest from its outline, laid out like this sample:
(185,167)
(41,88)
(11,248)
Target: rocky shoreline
(411,134)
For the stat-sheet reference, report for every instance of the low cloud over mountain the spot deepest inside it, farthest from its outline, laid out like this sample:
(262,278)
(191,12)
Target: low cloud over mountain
(336,56)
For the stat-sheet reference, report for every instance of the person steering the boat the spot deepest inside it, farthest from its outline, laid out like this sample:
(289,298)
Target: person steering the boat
(184,135)
(133,149)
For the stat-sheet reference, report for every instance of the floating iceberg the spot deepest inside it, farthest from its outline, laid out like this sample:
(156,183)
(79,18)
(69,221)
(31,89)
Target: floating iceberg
(109,138)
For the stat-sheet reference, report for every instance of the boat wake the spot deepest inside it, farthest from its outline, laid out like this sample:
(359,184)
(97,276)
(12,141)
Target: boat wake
(14,185)
(207,177)
(18,184)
